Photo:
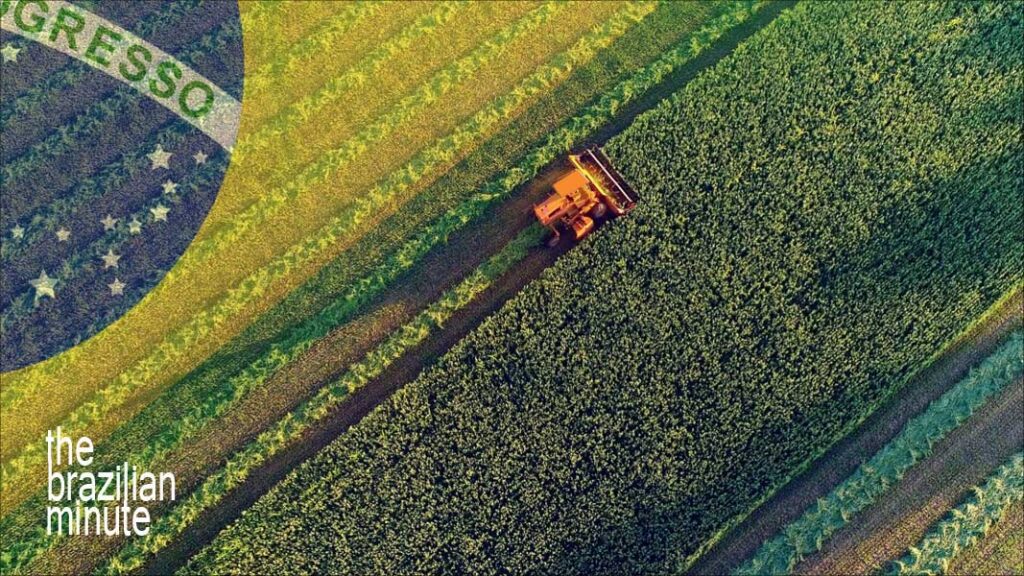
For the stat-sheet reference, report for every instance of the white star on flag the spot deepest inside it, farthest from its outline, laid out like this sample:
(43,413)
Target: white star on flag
(135,227)
(9,53)
(159,158)
(170,187)
(109,222)
(44,286)
(63,234)
(116,287)
(160,213)
(18,232)
(110,259)
(200,158)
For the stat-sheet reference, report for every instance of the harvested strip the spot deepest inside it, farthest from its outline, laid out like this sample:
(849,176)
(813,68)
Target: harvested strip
(367,89)
(872,479)
(1001,551)
(966,524)
(317,42)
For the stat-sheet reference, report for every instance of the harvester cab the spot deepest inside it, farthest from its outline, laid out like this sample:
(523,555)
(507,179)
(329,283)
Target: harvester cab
(590,191)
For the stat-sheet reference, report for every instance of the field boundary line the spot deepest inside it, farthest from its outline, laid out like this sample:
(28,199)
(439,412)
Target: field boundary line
(1007,306)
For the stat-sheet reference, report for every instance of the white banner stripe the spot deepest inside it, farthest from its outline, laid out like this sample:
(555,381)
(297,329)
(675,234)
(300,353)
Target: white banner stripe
(96,41)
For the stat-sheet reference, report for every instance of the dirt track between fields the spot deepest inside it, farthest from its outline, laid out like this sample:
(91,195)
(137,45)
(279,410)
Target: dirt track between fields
(877,430)
(443,268)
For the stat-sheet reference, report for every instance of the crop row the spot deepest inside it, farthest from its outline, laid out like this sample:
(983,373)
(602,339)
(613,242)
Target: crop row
(372,203)
(68,136)
(809,532)
(966,524)
(310,46)
(274,28)
(999,552)
(357,76)
(755,303)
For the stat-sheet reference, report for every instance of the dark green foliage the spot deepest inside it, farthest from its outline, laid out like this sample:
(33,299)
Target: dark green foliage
(821,212)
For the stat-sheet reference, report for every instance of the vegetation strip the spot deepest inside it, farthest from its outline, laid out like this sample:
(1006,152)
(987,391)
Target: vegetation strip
(1001,551)
(313,44)
(872,479)
(788,273)
(966,524)
(361,73)
(46,219)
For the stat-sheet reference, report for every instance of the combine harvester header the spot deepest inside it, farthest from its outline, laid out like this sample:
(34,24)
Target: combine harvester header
(588,193)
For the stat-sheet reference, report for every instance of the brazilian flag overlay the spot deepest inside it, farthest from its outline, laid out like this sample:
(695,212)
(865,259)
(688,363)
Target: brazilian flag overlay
(104,182)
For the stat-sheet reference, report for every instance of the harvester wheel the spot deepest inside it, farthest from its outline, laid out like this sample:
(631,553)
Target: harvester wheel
(599,210)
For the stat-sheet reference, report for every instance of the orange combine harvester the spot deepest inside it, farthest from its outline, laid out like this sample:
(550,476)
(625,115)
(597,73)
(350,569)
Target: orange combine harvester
(592,190)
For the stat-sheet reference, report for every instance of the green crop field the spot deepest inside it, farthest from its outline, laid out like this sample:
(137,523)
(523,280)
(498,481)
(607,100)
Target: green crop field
(821,211)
